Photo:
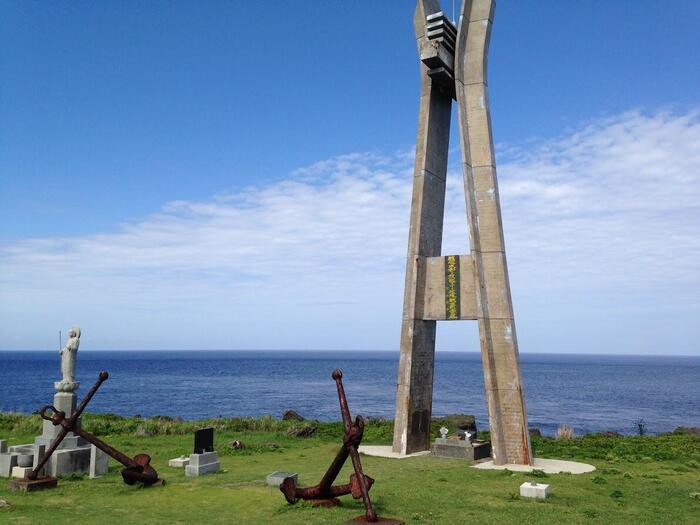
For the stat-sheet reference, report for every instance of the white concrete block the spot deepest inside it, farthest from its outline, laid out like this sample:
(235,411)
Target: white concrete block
(179,462)
(21,472)
(530,489)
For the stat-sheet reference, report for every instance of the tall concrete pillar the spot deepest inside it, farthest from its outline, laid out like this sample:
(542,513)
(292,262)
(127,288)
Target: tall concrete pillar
(414,396)
(457,287)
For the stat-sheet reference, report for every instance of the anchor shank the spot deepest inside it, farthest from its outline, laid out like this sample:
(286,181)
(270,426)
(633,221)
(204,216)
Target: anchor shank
(47,454)
(104,447)
(78,411)
(344,410)
(369,510)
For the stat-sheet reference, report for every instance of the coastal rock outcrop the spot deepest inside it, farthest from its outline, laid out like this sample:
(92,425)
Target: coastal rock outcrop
(292,415)
(460,421)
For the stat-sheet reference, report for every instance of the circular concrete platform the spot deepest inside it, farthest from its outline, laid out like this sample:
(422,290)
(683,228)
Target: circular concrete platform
(381,451)
(550,466)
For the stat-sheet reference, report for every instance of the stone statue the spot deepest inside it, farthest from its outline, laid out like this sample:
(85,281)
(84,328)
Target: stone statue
(443,432)
(68,356)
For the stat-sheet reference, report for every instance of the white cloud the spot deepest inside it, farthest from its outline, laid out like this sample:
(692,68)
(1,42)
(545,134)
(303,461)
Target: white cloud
(600,223)
(613,206)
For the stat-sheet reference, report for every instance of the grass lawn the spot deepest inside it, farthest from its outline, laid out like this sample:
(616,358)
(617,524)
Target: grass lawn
(639,479)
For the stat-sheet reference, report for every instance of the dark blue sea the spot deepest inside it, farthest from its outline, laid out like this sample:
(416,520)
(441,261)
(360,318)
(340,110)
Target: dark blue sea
(590,392)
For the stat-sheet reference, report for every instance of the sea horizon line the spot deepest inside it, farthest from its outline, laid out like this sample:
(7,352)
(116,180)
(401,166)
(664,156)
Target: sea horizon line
(336,351)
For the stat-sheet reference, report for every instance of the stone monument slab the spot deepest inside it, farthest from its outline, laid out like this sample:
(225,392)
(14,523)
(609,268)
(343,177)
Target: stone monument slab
(25,460)
(461,449)
(38,454)
(204,440)
(68,461)
(201,464)
(7,462)
(99,462)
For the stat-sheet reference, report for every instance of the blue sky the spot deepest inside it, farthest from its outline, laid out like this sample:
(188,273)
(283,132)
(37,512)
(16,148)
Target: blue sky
(235,175)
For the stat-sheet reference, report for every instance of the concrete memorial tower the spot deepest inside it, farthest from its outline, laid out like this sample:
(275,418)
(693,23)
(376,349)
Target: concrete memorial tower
(466,286)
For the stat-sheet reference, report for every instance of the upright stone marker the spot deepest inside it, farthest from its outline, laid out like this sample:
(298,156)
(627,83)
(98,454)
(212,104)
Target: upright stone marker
(204,440)
(457,287)
(38,454)
(204,460)
(99,462)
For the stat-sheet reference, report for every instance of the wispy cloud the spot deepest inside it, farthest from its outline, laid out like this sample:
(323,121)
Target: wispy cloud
(605,219)
(616,203)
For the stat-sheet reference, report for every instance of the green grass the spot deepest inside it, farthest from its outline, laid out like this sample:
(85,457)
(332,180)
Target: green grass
(639,480)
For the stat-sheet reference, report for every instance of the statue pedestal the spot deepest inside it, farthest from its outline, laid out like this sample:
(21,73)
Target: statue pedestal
(64,402)
(73,455)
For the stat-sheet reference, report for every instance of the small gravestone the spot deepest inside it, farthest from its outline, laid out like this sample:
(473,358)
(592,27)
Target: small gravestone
(276,478)
(530,489)
(204,460)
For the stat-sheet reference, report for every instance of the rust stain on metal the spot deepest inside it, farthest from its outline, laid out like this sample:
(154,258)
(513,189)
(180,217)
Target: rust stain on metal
(136,469)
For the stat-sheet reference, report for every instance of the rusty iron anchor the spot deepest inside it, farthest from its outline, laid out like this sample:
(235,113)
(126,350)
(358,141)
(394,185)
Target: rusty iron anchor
(325,493)
(136,469)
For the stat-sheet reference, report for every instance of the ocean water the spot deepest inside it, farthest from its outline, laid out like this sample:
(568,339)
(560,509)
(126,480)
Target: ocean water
(590,392)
